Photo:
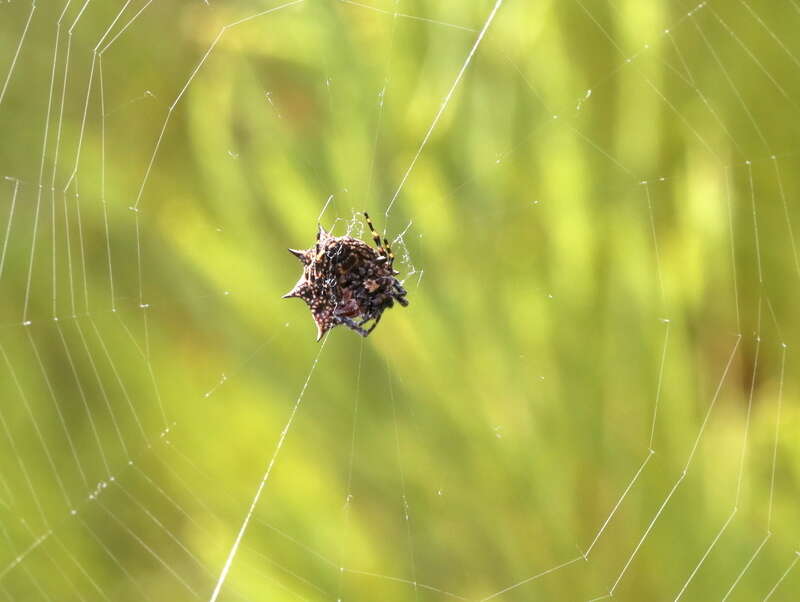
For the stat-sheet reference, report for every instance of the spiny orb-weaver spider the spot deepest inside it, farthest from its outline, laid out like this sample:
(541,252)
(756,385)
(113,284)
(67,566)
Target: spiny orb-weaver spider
(345,281)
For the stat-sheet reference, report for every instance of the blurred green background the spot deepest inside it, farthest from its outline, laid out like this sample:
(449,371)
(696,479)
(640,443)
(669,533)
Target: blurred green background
(601,224)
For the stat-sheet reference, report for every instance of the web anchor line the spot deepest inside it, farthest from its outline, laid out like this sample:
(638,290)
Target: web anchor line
(222,31)
(263,483)
(443,106)
(17,51)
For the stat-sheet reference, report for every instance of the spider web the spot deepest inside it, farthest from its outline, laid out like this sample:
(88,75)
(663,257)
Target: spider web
(591,396)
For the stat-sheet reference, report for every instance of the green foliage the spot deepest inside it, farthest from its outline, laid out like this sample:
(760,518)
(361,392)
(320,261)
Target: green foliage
(599,225)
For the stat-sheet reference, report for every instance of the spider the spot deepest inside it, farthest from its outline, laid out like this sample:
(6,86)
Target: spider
(346,281)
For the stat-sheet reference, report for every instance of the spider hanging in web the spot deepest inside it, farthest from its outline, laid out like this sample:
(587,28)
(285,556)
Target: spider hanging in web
(346,281)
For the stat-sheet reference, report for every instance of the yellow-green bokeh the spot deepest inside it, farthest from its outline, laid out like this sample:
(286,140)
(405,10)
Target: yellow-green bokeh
(601,220)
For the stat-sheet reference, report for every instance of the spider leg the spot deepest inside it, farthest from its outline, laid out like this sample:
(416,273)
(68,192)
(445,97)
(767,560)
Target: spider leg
(321,234)
(375,236)
(374,324)
(353,326)
(389,253)
(400,294)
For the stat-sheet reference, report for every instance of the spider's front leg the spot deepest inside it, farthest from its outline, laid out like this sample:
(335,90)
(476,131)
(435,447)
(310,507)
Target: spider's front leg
(357,327)
(374,324)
